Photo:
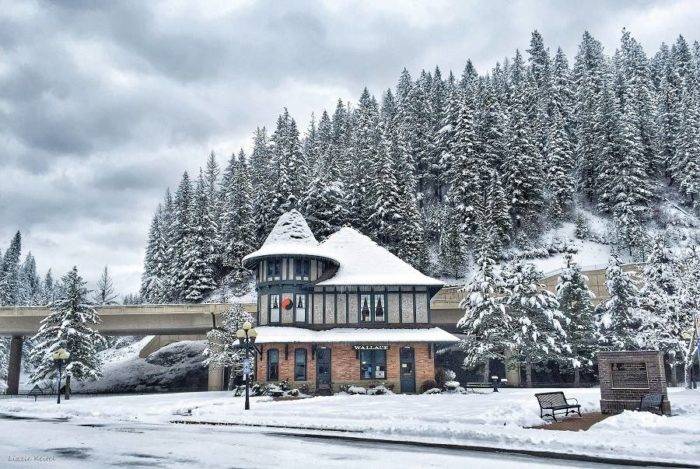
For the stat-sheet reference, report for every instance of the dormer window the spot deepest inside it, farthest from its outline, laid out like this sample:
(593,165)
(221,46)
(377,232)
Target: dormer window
(274,269)
(302,269)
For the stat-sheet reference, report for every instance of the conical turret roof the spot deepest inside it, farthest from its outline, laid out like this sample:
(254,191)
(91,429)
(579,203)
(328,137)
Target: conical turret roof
(291,236)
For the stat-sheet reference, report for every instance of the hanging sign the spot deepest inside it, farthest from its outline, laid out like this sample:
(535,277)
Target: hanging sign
(247,367)
(371,347)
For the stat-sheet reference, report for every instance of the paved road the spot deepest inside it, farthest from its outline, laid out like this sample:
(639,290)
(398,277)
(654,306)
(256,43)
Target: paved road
(38,443)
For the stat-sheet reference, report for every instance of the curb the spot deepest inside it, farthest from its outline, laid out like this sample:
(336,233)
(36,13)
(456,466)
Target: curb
(451,446)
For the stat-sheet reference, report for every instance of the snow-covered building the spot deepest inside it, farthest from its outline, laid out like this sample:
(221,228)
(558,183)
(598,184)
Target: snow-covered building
(341,312)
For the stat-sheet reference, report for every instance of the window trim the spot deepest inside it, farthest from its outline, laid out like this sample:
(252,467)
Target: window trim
(306,364)
(277,364)
(277,262)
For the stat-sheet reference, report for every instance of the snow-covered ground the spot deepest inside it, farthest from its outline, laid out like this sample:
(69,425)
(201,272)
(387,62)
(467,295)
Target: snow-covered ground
(485,419)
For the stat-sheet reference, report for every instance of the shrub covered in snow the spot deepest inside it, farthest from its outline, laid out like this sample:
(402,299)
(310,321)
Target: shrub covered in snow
(433,391)
(379,391)
(354,390)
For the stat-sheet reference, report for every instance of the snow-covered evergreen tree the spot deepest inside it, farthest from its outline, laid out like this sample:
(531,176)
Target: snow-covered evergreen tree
(70,325)
(29,283)
(617,316)
(223,349)
(237,218)
(487,325)
(104,293)
(196,277)
(664,322)
(9,276)
(539,327)
(575,303)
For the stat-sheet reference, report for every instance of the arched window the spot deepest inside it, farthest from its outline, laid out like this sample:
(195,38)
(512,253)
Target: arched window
(273,363)
(300,364)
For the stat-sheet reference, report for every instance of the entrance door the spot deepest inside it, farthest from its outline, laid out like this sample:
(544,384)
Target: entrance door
(323,370)
(408,370)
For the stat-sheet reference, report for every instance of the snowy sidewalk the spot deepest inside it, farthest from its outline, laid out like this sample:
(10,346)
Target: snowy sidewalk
(495,420)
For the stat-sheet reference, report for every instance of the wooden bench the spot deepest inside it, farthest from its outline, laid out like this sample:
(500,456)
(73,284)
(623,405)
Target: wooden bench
(651,403)
(554,402)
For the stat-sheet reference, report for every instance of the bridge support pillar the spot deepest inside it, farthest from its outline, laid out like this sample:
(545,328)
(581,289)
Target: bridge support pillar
(216,378)
(15,364)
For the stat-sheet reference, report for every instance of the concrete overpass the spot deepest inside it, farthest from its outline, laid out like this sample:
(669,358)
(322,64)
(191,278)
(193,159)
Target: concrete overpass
(164,321)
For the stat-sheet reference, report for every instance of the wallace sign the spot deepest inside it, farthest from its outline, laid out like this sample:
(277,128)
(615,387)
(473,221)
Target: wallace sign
(626,377)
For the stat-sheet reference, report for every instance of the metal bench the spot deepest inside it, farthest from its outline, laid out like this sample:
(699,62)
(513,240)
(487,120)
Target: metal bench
(556,402)
(651,403)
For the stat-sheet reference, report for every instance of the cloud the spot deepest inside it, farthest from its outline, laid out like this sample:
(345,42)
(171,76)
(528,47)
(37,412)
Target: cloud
(104,104)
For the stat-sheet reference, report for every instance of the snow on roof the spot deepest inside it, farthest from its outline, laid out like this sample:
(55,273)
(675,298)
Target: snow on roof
(361,261)
(364,262)
(284,334)
(291,235)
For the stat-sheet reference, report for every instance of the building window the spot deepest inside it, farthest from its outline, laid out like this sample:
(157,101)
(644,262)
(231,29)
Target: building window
(302,269)
(372,307)
(378,307)
(274,269)
(300,308)
(300,364)
(372,364)
(274,308)
(273,363)
(365,308)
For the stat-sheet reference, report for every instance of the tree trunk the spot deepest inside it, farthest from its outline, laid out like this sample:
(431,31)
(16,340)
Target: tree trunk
(528,375)
(67,387)
(487,371)
(674,375)
(577,377)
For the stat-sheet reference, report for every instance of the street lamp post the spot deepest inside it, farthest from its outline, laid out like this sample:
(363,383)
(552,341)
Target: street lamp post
(59,357)
(246,337)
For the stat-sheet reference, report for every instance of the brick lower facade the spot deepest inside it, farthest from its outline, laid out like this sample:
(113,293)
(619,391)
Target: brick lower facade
(345,365)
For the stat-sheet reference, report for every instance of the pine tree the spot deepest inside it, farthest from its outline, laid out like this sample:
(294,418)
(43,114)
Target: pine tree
(196,280)
(48,289)
(560,169)
(70,325)
(521,171)
(104,293)
(617,317)
(664,322)
(686,166)
(29,283)
(465,187)
(238,219)
(689,307)
(262,182)
(180,239)
(588,78)
(366,142)
(324,201)
(539,326)
(212,231)
(223,349)
(574,299)
(9,277)
(486,324)
(155,271)
(452,247)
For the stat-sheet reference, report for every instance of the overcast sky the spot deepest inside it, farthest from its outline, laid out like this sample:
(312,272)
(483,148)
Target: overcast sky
(103,107)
